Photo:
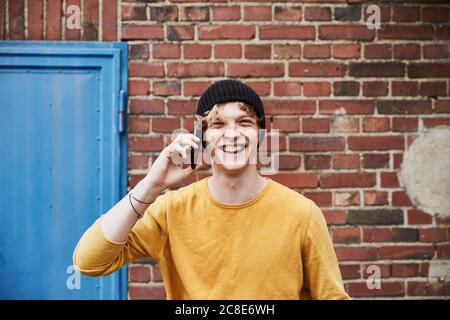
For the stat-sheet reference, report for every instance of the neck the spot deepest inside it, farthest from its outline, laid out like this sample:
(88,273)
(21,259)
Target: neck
(236,188)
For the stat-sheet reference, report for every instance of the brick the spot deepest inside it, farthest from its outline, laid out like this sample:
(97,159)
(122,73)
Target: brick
(433,235)
(345,161)
(406,14)
(316,144)
(442,32)
(316,89)
(109,21)
(145,144)
(284,13)
(345,124)
(345,199)
(296,180)
(286,51)
(432,89)
(375,161)
(138,87)
(287,162)
(194,13)
(406,32)
(218,32)
(387,289)
(424,288)
(137,162)
(375,69)
(165,124)
(166,51)
(290,124)
(404,124)
(317,14)
(181,107)
(142,32)
(195,88)
(134,13)
(376,143)
(406,252)
(347,235)
(407,51)
(405,88)
(287,32)
(90,19)
(146,292)
(313,125)
(156,274)
(316,51)
(289,107)
(195,69)
(401,199)
(375,89)
(319,198)
(375,216)
(335,217)
(180,32)
(424,70)
(398,159)
(138,51)
(317,162)
(197,51)
(166,88)
(138,125)
(395,235)
(346,107)
(262,88)
(378,51)
(403,107)
(375,198)
(347,180)
(443,251)
(287,88)
(226,13)
(346,51)
(345,32)
(346,88)
(257,51)
(416,216)
(350,271)
(224,51)
(435,51)
(147,106)
(433,122)
(151,69)
(356,253)
(139,274)
(35,20)
(257,13)
(372,124)
(442,106)
(349,13)
(255,69)
(53,20)
(405,270)
(385,270)
(301,69)
(385,13)
(164,13)
(435,14)
(389,180)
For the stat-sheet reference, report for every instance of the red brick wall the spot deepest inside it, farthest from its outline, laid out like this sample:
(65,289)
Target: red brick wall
(347,100)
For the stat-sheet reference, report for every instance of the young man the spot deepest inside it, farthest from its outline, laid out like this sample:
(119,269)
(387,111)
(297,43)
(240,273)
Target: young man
(233,235)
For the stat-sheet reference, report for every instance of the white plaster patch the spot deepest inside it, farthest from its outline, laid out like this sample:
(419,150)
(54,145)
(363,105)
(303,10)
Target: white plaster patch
(425,171)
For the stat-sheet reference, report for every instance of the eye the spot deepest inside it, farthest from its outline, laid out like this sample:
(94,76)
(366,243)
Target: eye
(247,122)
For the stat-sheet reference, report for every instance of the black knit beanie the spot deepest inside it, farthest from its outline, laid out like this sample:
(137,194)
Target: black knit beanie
(227,91)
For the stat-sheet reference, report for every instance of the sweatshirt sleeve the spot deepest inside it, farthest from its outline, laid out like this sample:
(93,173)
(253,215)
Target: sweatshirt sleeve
(321,274)
(95,255)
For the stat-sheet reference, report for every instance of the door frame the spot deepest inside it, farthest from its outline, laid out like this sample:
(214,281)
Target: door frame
(117,52)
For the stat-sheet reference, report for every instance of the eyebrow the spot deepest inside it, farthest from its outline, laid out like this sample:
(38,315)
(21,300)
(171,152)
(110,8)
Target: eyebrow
(243,116)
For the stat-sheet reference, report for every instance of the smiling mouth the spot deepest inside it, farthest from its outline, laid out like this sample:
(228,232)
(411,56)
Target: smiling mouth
(233,149)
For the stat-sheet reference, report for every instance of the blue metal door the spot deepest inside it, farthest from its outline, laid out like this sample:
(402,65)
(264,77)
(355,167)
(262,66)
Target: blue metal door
(62,162)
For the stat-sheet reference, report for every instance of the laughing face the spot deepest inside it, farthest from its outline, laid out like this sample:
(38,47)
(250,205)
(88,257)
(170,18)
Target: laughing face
(232,137)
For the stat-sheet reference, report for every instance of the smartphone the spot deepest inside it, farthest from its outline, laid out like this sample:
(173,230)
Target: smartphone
(194,152)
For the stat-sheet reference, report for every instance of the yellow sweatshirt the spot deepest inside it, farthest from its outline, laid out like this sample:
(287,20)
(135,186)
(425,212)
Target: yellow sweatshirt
(276,246)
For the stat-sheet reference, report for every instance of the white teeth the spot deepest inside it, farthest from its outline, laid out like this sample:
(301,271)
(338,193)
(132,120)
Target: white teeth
(233,149)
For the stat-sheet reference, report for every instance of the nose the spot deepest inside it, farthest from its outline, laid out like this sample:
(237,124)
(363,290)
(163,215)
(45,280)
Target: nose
(232,131)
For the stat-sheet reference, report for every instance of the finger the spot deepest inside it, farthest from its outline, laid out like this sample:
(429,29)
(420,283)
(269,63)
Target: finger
(189,141)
